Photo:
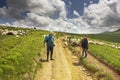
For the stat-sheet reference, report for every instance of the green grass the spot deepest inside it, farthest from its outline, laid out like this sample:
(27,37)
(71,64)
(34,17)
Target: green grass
(107,54)
(17,54)
(87,65)
(110,55)
(13,28)
(107,37)
(111,37)
(101,75)
(98,74)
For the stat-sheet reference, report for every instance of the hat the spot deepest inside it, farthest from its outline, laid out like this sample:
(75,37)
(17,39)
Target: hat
(51,32)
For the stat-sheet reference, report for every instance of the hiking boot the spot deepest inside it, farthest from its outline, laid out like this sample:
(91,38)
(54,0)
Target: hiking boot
(51,59)
(47,60)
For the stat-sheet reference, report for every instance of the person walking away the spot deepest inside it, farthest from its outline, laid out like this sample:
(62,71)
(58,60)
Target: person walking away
(84,45)
(50,45)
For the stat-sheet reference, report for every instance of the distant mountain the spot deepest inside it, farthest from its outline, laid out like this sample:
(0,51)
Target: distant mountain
(117,30)
(111,31)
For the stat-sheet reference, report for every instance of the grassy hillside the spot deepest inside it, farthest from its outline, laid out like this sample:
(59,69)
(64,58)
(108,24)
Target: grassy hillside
(109,55)
(111,37)
(108,36)
(18,54)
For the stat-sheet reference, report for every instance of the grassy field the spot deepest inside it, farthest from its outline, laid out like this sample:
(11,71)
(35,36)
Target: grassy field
(107,54)
(110,55)
(111,37)
(17,54)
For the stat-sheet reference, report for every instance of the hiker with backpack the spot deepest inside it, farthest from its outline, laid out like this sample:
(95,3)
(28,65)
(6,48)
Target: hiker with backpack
(84,45)
(49,40)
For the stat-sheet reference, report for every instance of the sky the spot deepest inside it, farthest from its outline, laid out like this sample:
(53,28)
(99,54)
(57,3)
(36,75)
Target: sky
(73,16)
(3,3)
(77,5)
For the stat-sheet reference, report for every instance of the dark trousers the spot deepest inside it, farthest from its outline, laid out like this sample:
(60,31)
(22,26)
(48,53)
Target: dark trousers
(84,52)
(49,49)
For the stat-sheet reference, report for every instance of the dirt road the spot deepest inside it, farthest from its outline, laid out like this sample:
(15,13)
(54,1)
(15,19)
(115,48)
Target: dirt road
(101,66)
(63,67)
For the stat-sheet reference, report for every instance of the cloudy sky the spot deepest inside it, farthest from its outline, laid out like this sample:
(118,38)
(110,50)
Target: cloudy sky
(73,16)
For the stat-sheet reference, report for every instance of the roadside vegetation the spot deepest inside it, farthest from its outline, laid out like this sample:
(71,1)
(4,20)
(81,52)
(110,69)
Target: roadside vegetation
(96,73)
(19,54)
(105,47)
(109,55)
(19,58)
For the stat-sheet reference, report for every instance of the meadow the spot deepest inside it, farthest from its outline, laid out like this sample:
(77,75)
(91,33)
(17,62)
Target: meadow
(107,54)
(113,37)
(110,36)
(18,54)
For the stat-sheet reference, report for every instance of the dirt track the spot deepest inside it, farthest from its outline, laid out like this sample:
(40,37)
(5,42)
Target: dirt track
(63,67)
(102,66)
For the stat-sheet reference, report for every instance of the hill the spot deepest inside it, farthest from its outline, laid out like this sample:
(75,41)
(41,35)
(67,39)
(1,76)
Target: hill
(107,36)
(110,36)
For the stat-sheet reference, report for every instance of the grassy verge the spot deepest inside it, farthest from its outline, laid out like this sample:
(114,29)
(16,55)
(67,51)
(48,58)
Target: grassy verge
(87,65)
(17,55)
(97,74)
(108,54)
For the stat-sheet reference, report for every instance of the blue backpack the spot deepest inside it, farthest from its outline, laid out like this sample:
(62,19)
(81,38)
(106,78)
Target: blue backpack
(47,39)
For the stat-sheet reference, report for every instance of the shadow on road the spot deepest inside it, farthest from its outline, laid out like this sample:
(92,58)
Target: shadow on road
(76,64)
(43,60)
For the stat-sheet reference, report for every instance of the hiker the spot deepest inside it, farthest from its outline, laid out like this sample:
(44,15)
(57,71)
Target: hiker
(49,40)
(84,45)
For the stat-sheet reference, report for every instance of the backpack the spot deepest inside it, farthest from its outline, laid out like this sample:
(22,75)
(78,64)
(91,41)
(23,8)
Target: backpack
(47,39)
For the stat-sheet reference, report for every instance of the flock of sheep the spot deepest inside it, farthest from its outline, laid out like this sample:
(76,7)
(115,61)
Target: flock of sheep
(76,42)
(17,33)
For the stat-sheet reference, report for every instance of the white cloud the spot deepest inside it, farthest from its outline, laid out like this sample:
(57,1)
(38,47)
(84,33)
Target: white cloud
(41,7)
(118,7)
(51,15)
(76,13)
(69,4)
(38,20)
(91,2)
(103,16)
(85,4)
